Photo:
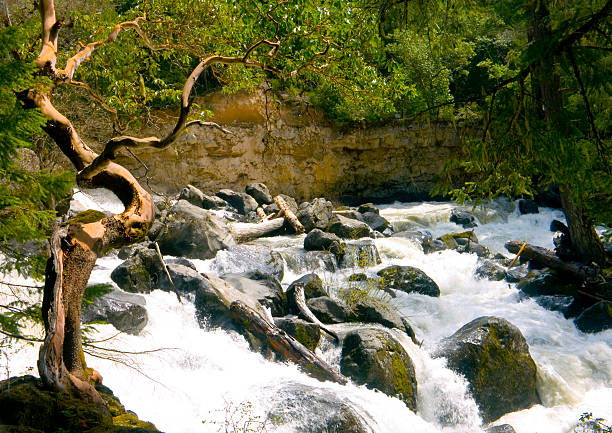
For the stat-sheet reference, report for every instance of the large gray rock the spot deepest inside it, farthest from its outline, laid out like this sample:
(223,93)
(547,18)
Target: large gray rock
(240,201)
(260,193)
(189,231)
(250,258)
(328,310)
(347,228)
(463,218)
(374,358)
(376,222)
(494,357)
(368,207)
(139,273)
(318,240)
(213,202)
(125,311)
(306,409)
(360,254)
(316,214)
(267,291)
(408,279)
(312,286)
(371,310)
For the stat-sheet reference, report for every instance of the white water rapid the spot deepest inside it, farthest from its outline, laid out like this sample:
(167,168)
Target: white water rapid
(204,378)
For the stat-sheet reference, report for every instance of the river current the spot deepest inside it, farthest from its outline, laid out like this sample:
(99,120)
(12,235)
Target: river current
(202,380)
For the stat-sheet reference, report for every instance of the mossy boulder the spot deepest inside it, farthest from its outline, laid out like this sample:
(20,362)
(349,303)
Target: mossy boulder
(26,406)
(318,240)
(408,279)
(494,357)
(309,334)
(348,228)
(312,286)
(372,357)
(360,254)
(373,310)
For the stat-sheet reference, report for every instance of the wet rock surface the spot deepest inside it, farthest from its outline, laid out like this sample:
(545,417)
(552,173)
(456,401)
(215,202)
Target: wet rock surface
(125,311)
(494,357)
(374,358)
(408,279)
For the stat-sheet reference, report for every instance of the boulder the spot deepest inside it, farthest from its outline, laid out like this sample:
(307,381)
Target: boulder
(318,240)
(347,228)
(267,291)
(463,218)
(125,311)
(328,310)
(374,358)
(527,206)
(309,334)
(260,193)
(192,194)
(490,270)
(376,222)
(193,232)
(503,428)
(433,245)
(214,298)
(240,201)
(371,310)
(408,279)
(368,207)
(596,318)
(213,202)
(316,214)
(308,410)
(26,406)
(249,258)
(494,357)
(139,273)
(360,254)
(313,288)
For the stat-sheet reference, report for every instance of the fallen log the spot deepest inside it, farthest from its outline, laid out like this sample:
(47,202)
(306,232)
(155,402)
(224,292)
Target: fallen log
(546,257)
(283,344)
(244,232)
(289,215)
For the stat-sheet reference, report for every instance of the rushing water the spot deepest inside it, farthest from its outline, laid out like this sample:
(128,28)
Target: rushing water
(203,378)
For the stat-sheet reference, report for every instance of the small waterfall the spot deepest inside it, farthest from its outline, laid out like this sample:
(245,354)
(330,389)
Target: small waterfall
(189,379)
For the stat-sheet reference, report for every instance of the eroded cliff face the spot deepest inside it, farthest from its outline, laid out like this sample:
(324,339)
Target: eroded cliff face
(294,150)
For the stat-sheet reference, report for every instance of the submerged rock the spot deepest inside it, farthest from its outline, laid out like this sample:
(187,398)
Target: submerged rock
(308,410)
(494,357)
(490,270)
(527,206)
(463,218)
(595,318)
(408,279)
(125,311)
(248,258)
(374,358)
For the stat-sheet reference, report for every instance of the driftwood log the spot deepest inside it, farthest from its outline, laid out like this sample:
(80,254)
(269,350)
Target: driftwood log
(284,345)
(300,302)
(546,257)
(289,215)
(244,232)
